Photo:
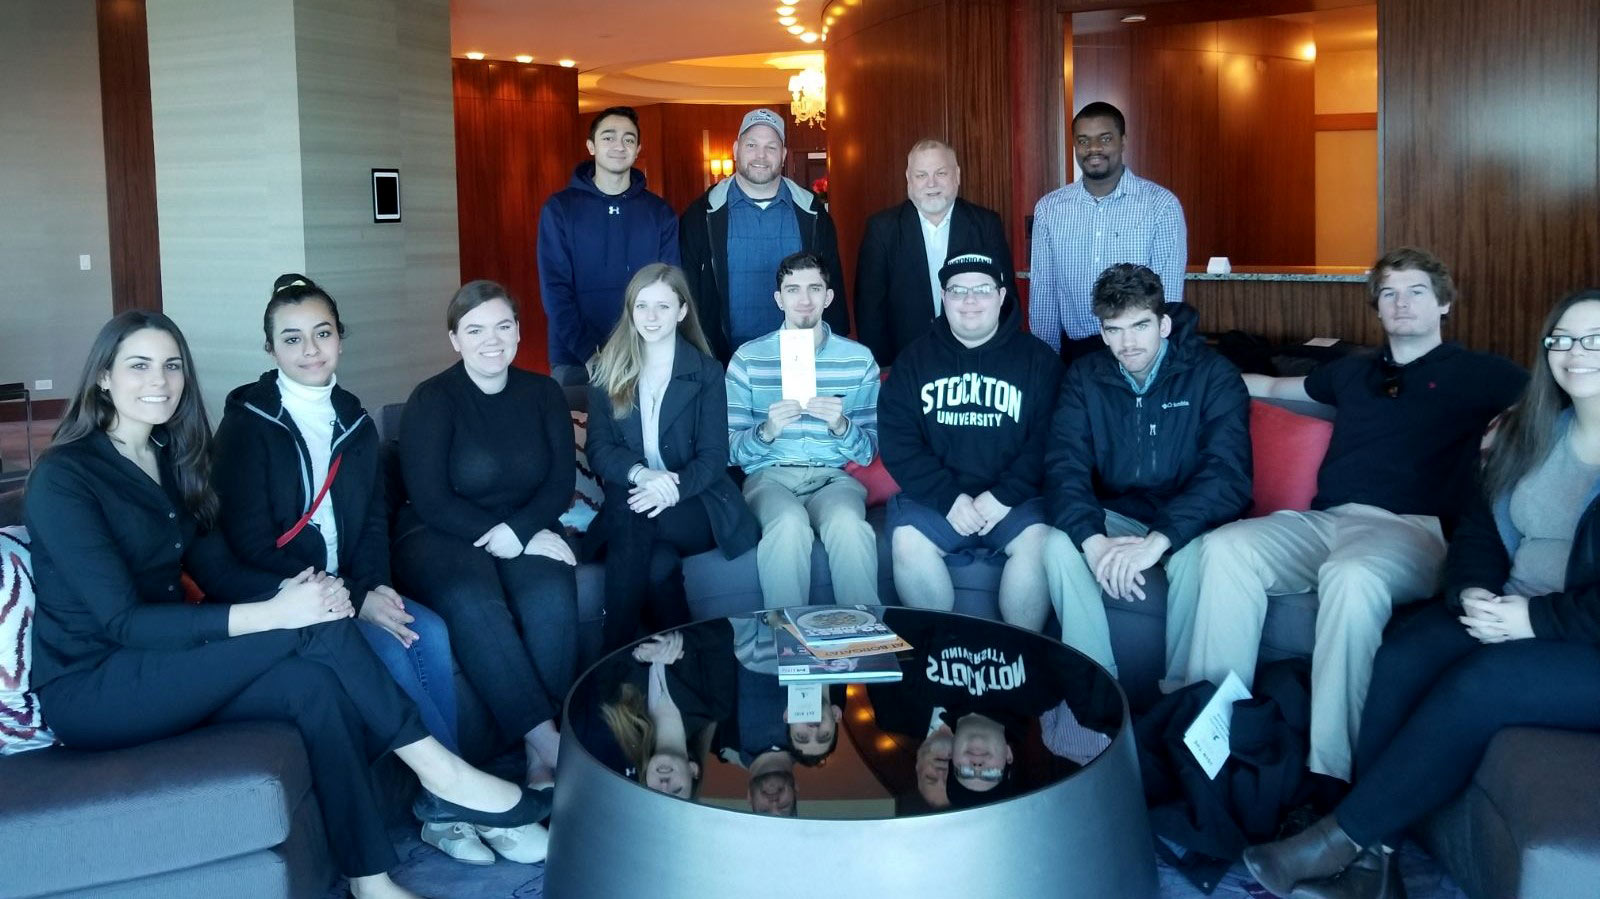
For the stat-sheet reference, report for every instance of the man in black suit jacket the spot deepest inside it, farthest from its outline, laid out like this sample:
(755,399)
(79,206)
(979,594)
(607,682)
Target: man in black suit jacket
(897,284)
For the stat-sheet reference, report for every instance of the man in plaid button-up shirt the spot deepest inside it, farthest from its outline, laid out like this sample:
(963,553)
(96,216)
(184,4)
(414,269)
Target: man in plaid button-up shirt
(1108,216)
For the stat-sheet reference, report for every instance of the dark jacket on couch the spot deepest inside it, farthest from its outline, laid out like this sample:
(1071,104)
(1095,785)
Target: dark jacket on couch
(263,477)
(703,238)
(893,296)
(1176,458)
(693,441)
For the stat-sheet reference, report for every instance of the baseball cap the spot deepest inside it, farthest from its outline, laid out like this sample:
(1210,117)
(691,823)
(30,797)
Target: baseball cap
(762,117)
(969,262)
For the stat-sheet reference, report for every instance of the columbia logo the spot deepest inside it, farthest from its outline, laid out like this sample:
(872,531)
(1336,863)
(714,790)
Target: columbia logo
(614,210)
(1176,405)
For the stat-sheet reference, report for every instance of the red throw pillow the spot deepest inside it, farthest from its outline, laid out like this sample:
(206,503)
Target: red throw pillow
(1288,450)
(880,486)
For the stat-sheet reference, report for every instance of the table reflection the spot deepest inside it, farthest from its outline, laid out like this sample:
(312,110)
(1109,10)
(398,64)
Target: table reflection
(982,712)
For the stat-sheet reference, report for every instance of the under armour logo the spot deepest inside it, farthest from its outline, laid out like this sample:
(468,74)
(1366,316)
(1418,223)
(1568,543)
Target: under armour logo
(614,210)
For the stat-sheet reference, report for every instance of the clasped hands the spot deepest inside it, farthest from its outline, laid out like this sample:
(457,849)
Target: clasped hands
(654,491)
(783,413)
(1495,619)
(1118,563)
(501,542)
(970,515)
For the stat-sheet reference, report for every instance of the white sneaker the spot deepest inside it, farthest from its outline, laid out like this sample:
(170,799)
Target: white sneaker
(525,845)
(458,840)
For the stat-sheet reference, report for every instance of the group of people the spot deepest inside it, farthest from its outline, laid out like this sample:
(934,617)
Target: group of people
(1086,472)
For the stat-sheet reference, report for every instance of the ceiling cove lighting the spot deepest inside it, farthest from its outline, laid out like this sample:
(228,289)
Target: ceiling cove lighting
(524,58)
(475,55)
(566,63)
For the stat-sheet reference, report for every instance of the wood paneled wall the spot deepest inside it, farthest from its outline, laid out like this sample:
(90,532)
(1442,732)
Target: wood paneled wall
(130,155)
(983,75)
(1287,311)
(1489,135)
(517,140)
(1220,113)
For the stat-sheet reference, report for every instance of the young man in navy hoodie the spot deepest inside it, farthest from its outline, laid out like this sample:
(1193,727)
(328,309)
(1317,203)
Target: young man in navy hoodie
(963,420)
(1150,447)
(592,237)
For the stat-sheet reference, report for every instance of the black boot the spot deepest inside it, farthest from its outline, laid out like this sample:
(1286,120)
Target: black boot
(1321,850)
(1375,874)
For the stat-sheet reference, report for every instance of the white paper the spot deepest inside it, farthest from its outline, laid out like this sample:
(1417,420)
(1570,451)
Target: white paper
(797,351)
(805,704)
(1207,737)
(1322,341)
(1218,265)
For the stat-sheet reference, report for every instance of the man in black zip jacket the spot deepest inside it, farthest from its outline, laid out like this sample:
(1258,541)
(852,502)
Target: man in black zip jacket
(1150,448)
(734,236)
(962,421)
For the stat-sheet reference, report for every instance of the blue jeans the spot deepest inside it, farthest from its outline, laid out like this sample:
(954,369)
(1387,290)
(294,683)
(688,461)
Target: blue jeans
(425,671)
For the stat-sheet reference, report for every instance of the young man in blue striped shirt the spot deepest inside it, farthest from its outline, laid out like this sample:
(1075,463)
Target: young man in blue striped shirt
(794,453)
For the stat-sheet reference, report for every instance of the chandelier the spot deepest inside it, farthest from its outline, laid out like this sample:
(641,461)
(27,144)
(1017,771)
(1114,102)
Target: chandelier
(808,89)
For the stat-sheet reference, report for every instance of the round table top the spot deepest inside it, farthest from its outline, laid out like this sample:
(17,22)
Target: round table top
(979,712)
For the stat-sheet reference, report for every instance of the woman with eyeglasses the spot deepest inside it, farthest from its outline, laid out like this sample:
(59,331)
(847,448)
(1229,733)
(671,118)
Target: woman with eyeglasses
(1515,641)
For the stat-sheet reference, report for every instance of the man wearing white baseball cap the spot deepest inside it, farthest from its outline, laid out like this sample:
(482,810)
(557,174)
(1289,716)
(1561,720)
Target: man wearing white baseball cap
(734,236)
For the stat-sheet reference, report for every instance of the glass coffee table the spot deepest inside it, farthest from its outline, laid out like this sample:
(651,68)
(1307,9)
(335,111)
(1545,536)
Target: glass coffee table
(1000,763)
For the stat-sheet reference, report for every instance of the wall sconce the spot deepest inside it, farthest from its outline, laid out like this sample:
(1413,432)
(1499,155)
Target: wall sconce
(721,168)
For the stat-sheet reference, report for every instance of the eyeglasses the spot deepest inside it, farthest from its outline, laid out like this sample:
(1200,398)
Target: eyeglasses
(981,292)
(1561,343)
(1391,379)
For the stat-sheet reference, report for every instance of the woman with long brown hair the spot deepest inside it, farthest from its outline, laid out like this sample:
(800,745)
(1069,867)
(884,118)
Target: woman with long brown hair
(658,438)
(1515,640)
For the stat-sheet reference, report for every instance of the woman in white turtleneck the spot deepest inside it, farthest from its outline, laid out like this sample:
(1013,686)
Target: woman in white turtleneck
(288,513)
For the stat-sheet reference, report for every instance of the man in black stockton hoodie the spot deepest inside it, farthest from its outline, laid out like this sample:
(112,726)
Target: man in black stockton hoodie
(962,422)
(1149,448)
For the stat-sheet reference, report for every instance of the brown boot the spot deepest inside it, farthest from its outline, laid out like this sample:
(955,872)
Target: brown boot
(1375,874)
(1321,850)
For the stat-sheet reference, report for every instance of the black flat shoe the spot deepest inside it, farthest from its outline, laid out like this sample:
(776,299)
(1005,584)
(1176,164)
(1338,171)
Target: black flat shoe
(1374,874)
(533,807)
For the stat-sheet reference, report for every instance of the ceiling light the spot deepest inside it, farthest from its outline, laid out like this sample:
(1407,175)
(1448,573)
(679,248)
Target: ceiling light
(796,29)
(809,37)
(785,10)
(1134,19)
(474,55)
(786,20)
(524,58)
(566,63)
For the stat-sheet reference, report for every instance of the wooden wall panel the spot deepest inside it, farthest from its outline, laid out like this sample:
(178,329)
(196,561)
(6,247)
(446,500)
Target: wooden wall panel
(1220,113)
(1286,311)
(130,155)
(1490,153)
(516,130)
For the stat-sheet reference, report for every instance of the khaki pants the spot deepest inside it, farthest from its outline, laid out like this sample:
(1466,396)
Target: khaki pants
(1360,560)
(1076,595)
(795,505)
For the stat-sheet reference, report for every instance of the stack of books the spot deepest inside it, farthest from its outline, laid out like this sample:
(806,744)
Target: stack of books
(837,644)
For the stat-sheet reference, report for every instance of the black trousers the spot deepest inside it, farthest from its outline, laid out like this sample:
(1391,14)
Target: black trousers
(1438,696)
(644,581)
(323,679)
(513,622)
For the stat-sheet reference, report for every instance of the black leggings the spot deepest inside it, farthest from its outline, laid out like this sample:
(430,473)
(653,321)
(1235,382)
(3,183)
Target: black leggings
(643,565)
(1438,696)
(323,679)
(513,622)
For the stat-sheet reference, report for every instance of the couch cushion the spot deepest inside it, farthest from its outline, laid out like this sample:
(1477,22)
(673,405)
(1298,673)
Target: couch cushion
(73,820)
(1287,448)
(21,723)
(876,478)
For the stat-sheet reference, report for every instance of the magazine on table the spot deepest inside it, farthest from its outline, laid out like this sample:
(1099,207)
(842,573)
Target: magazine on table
(796,664)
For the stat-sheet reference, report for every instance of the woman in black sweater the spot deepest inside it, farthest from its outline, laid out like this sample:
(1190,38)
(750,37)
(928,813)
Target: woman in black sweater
(489,464)
(658,438)
(1515,640)
(113,509)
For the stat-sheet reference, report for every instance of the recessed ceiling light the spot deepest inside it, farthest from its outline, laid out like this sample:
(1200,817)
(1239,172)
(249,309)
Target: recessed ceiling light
(1134,19)
(785,10)
(566,63)
(809,37)
(524,58)
(474,55)
(796,29)
(786,20)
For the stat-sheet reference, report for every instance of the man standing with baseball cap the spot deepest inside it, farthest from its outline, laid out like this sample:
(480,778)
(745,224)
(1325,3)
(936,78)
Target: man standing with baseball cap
(734,236)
